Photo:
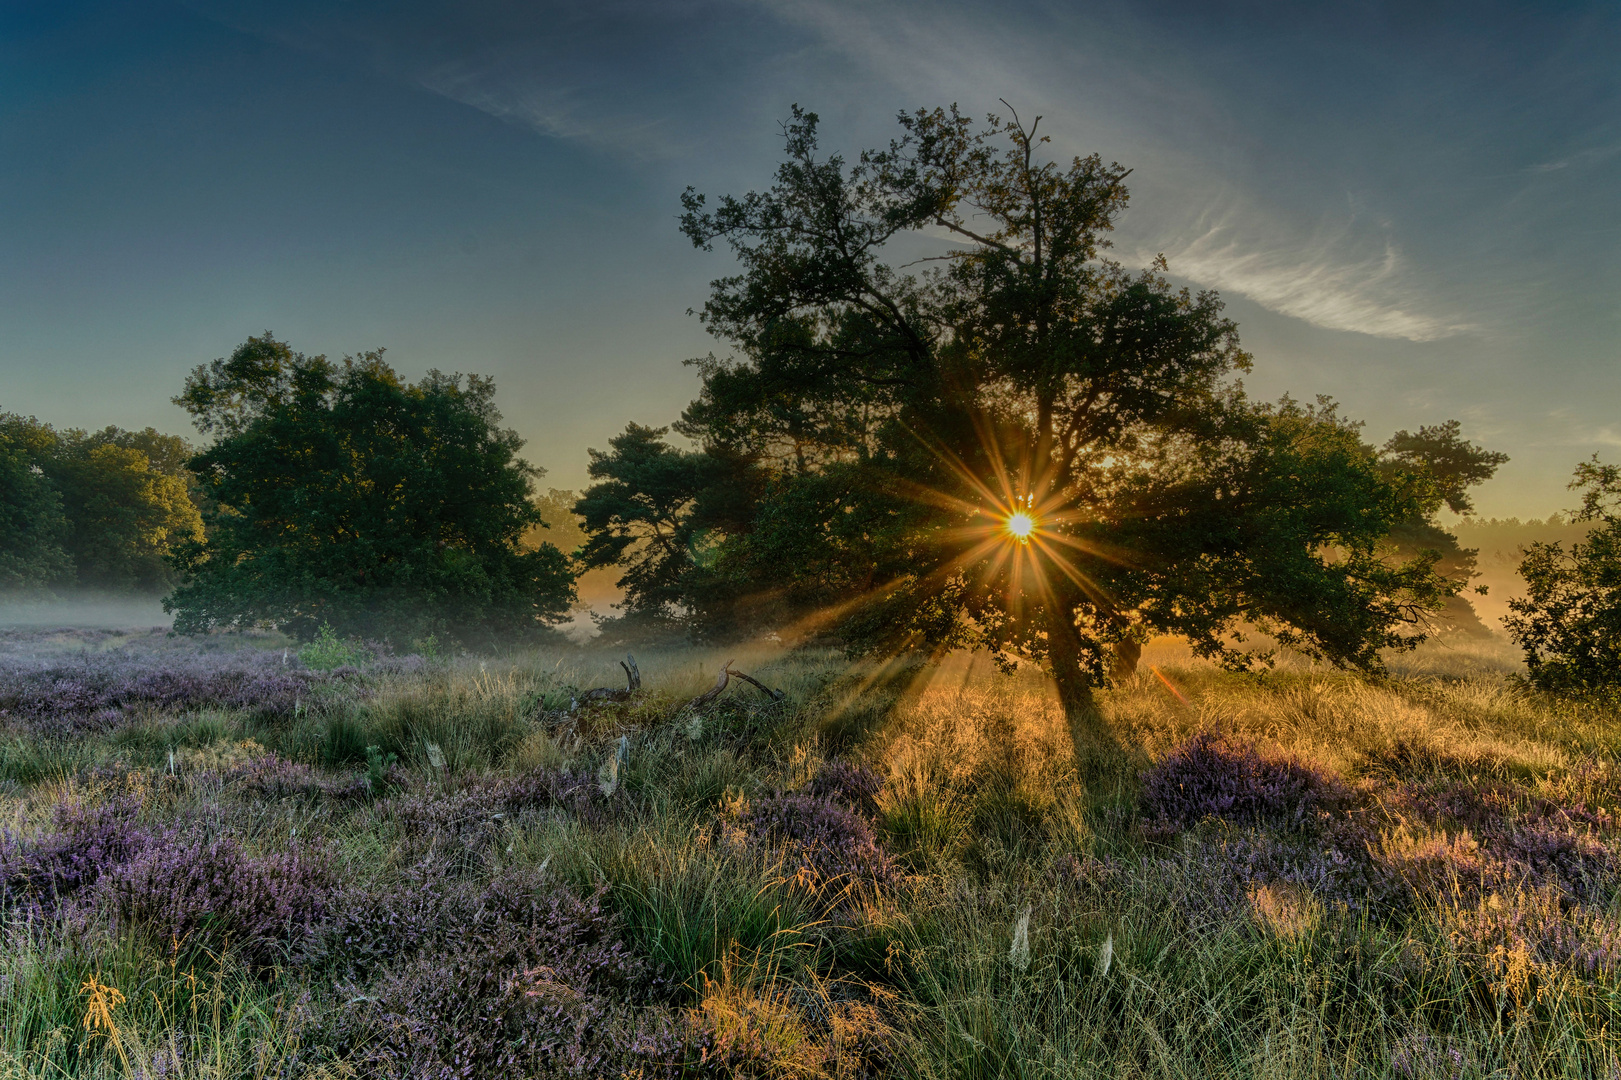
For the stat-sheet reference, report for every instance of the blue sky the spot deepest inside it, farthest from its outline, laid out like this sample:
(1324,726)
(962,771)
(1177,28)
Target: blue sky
(1413,208)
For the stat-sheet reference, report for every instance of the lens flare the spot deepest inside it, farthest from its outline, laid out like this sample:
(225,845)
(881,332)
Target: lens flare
(1021,525)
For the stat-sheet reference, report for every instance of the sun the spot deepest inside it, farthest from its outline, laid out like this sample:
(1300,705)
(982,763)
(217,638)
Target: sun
(1020,525)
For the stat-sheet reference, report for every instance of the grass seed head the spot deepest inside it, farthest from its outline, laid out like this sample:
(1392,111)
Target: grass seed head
(1020,953)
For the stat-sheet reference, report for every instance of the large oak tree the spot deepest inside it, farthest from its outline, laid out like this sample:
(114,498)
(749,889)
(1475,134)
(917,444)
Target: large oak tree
(931,340)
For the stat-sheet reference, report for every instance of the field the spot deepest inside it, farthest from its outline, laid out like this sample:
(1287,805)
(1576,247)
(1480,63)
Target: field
(231,859)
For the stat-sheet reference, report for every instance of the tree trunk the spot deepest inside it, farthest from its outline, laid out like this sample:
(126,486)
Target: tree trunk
(1081,713)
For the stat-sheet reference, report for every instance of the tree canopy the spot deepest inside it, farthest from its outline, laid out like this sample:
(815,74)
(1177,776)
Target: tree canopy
(895,423)
(1442,466)
(123,497)
(652,510)
(32,526)
(1569,621)
(341,494)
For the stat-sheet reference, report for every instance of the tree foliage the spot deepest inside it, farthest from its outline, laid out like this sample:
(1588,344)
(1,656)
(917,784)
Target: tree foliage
(1569,621)
(31,526)
(638,514)
(1441,465)
(123,497)
(559,525)
(342,494)
(896,419)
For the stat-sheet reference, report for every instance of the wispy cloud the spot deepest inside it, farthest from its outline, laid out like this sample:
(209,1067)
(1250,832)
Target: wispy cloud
(1590,156)
(546,107)
(561,72)
(1342,278)
(1350,276)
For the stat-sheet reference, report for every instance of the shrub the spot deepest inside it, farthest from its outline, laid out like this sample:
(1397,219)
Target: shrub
(89,841)
(1540,926)
(1211,775)
(1524,838)
(1221,871)
(327,651)
(273,777)
(519,977)
(474,814)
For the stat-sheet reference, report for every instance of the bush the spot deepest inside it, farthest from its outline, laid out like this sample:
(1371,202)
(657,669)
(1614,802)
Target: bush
(89,841)
(327,651)
(856,786)
(471,816)
(1569,621)
(272,777)
(1523,837)
(520,977)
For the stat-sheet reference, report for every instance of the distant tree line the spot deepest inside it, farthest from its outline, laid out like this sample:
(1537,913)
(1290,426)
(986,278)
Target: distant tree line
(98,509)
(332,496)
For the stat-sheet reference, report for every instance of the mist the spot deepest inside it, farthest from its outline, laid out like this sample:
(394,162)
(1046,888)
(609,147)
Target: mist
(93,609)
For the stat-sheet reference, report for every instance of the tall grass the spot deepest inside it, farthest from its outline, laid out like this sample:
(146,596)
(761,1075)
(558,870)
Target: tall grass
(987,806)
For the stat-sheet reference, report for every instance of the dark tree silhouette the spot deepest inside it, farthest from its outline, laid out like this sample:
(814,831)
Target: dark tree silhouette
(900,420)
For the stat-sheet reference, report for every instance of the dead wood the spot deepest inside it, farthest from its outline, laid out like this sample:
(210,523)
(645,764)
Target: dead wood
(633,685)
(721,681)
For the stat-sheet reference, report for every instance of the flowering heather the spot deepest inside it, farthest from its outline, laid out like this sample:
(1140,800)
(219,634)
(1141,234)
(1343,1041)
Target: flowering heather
(1211,775)
(1429,1057)
(521,976)
(1522,837)
(830,843)
(271,777)
(214,893)
(41,875)
(88,693)
(1542,927)
(477,812)
(856,786)
(1220,872)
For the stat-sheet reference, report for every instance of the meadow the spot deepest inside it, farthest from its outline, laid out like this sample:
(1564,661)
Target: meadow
(230,857)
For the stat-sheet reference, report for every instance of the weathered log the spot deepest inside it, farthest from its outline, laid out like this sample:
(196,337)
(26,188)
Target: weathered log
(633,686)
(714,691)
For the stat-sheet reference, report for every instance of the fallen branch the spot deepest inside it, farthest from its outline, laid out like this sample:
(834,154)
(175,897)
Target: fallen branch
(774,695)
(633,685)
(722,679)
